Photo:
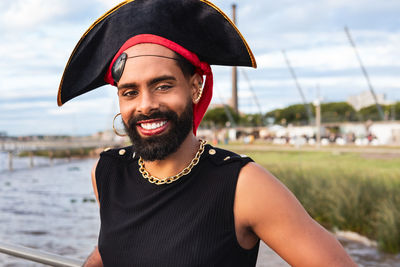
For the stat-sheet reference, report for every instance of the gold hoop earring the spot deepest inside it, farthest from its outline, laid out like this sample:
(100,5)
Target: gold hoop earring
(114,129)
(197,100)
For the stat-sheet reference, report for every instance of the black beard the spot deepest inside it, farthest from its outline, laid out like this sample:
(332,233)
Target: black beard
(158,147)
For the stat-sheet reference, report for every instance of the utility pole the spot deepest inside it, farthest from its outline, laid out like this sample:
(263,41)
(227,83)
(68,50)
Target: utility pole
(364,71)
(234,72)
(317,104)
(306,105)
(393,112)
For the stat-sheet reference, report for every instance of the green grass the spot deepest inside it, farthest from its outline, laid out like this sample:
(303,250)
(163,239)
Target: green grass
(61,153)
(346,191)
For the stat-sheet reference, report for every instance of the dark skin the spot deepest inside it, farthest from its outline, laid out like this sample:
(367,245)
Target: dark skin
(264,208)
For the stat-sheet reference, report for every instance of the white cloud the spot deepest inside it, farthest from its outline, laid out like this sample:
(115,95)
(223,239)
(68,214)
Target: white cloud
(108,4)
(30,13)
(24,105)
(337,81)
(381,51)
(28,86)
(363,4)
(98,107)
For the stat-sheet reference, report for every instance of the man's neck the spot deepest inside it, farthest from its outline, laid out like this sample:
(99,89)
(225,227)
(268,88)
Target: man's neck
(175,162)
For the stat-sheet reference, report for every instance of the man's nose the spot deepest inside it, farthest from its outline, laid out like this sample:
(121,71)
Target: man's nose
(147,103)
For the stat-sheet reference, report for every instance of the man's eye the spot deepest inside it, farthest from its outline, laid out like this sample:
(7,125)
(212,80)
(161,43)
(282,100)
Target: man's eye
(163,87)
(130,93)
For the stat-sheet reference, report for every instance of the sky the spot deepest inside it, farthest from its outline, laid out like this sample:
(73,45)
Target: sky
(38,36)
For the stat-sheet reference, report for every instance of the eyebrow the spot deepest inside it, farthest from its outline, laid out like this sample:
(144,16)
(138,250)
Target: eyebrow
(149,83)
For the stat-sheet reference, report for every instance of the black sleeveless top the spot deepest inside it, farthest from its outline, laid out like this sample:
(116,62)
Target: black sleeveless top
(189,222)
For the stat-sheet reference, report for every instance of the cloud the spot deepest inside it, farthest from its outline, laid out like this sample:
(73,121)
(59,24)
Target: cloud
(88,107)
(30,13)
(332,51)
(24,105)
(363,5)
(328,82)
(28,85)
(108,4)
(34,14)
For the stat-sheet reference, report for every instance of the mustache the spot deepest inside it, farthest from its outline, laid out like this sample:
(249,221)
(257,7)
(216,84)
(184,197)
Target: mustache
(169,115)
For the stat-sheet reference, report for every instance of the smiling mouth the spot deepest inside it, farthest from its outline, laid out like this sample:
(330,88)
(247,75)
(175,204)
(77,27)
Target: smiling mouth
(152,127)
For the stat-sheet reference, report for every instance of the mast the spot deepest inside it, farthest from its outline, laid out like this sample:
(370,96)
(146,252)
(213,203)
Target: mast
(254,96)
(364,71)
(306,105)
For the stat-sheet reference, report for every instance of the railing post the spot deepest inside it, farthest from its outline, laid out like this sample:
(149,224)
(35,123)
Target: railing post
(51,157)
(68,155)
(10,160)
(31,163)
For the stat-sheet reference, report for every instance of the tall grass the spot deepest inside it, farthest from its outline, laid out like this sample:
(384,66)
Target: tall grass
(61,153)
(345,191)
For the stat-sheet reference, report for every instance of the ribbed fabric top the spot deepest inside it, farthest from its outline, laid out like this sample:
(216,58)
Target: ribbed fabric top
(189,222)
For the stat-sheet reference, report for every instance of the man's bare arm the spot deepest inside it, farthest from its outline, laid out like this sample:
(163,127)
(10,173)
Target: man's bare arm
(94,259)
(271,212)
(94,183)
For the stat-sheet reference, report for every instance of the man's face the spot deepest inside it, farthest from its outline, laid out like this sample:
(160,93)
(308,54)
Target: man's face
(155,101)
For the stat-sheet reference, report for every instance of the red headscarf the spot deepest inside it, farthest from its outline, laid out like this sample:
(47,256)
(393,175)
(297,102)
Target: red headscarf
(202,68)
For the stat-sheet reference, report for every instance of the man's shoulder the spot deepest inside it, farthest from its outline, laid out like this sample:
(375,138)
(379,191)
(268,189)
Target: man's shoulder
(123,153)
(220,156)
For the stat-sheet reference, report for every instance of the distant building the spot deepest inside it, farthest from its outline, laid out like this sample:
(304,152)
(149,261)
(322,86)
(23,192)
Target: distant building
(366,99)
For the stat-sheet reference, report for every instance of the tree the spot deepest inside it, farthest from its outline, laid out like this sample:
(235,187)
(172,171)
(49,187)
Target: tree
(338,112)
(330,112)
(251,120)
(371,112)
(296,114)
(395,111)
(218,117)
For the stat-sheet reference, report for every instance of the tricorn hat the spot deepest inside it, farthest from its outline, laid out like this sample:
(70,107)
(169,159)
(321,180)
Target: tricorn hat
(196,25)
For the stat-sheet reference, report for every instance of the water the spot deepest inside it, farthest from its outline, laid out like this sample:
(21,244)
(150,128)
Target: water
(52,208)
(48,208)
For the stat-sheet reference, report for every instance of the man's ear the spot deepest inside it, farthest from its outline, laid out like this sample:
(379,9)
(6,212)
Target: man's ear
(196,82)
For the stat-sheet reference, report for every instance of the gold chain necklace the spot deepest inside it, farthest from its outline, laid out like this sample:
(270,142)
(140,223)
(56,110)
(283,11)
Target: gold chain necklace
(154,180)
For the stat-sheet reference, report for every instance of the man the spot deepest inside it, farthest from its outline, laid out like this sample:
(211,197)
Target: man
(169,199)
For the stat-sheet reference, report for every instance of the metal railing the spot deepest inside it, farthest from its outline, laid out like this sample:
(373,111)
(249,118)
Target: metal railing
(38,256)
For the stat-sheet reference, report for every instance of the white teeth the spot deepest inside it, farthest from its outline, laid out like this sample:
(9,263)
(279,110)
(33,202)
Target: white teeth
(152,126)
